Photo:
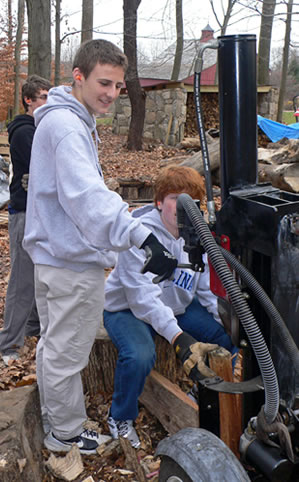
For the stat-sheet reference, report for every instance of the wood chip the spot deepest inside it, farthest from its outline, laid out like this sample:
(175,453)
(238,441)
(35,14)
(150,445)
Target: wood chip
(66,468)
(21,464)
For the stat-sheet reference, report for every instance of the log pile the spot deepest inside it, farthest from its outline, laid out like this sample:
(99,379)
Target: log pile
(210,108)
(278,163)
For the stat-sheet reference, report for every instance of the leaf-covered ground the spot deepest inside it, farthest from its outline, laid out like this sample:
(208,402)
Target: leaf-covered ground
(117,162)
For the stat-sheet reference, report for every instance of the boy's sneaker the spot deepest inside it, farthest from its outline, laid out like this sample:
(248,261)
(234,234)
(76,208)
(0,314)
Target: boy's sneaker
(10,357)
(87,442)
(123,428)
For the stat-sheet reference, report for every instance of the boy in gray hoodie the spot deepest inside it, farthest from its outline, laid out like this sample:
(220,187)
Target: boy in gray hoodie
(74,227)
(182,310)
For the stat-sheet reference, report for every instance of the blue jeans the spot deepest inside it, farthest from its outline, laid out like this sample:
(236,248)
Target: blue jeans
(135,342)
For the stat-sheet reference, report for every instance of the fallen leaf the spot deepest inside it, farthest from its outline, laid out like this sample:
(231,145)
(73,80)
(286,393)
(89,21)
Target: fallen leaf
(27,380)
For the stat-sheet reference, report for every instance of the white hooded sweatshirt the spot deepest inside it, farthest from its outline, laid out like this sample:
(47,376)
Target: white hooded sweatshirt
(73,220)
(158,304)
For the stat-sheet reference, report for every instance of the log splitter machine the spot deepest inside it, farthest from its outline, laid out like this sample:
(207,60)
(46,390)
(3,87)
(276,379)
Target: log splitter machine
(258,292)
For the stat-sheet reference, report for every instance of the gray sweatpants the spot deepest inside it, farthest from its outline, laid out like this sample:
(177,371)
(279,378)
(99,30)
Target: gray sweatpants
(70,306)
(20,315)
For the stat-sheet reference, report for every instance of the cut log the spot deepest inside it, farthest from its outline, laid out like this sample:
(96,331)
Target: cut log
(194,142)
(282,176)
(229,404)
(195,160)
(167,363)
(132,462)
(21,436)
(172,407)
(190,143)
(99,373)
(278,163)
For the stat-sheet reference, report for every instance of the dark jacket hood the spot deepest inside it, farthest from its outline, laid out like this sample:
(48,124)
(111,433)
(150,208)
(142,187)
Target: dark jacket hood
(19,121)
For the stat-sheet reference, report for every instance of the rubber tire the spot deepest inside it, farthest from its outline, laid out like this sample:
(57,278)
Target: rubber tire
(169,467)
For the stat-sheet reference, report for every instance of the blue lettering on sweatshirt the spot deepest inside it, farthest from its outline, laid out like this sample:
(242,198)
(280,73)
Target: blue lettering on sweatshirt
(185,280)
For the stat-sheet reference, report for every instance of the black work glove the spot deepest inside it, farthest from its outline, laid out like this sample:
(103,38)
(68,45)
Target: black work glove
(192,354)
(158,259)
(24,181)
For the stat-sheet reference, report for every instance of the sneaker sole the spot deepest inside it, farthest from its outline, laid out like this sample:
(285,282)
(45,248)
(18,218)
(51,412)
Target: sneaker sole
(66,448)
(135,445)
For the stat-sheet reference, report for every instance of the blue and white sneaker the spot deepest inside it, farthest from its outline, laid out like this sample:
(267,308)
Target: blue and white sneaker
(123,428)
(87,442)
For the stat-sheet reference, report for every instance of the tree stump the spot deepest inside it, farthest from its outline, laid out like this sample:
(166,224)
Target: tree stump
(99,373)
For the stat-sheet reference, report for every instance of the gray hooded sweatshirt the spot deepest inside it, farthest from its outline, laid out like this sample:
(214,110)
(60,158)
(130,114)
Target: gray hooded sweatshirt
(73,220)
(158,304)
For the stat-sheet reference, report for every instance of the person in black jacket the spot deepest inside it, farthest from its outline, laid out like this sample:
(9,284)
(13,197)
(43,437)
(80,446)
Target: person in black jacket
(20,316)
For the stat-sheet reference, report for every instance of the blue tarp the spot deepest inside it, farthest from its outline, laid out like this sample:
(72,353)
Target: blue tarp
(276,131)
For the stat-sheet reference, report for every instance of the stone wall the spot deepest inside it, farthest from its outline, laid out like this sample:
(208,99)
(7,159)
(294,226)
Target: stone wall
(165,115)
(170,113)
(268,103)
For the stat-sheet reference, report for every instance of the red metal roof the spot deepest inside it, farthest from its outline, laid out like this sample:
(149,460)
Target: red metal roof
(207,77)
(152,82)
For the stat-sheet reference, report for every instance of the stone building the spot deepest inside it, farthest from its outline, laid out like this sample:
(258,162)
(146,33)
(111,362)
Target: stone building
(170,111)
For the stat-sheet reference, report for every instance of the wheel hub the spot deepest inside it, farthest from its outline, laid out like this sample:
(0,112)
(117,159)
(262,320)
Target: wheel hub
(174,478)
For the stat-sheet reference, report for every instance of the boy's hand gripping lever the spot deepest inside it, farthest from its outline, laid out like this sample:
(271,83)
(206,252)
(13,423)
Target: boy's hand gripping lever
(193,354)
(158,259)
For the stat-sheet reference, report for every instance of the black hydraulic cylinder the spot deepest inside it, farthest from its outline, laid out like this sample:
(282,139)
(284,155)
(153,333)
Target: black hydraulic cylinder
(238,111)
(270,462)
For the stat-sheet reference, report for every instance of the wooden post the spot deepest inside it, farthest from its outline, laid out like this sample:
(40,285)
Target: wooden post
(229,404)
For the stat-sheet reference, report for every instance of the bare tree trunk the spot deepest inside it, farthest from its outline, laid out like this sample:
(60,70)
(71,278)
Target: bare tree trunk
(136,95)
(227,16)
(223,23)
(10,43)
(20,27)
(39,37)
(285,61)
(9,33)
(179,40)
(265,42)
(57,42)
(87,20)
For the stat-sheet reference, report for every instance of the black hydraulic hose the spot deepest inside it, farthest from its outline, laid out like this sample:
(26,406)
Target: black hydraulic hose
(203,140)
(239,303)
(271,310)
(202,135)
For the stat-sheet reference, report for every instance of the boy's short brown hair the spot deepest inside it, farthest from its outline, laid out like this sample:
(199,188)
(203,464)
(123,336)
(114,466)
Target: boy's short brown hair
(31,88)
(98,51)
(179,179)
